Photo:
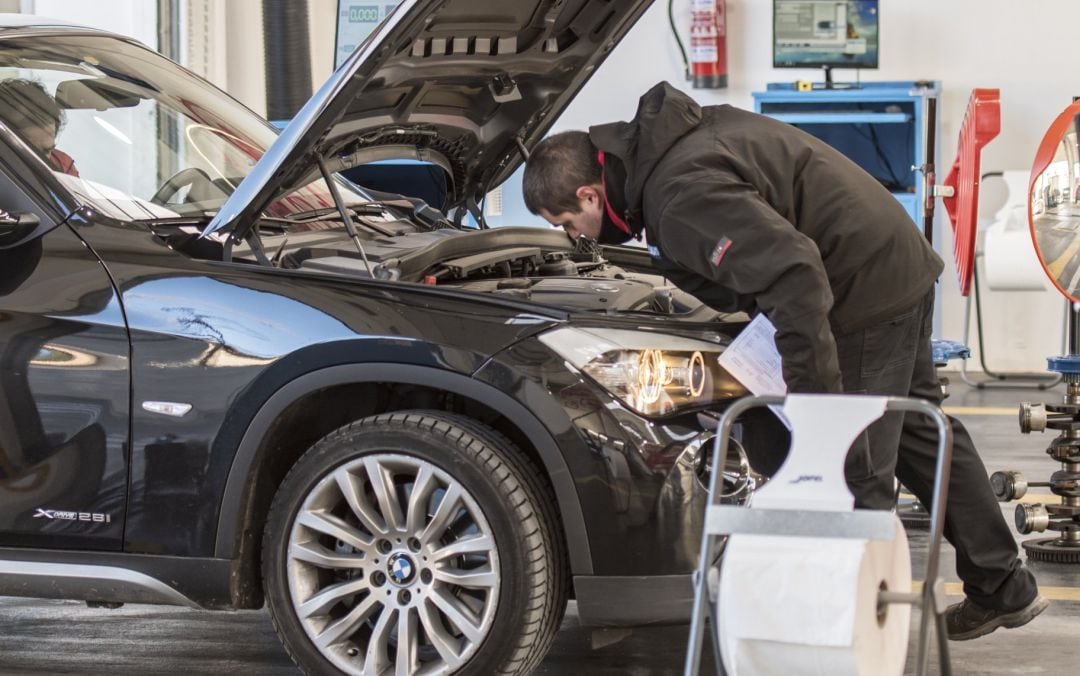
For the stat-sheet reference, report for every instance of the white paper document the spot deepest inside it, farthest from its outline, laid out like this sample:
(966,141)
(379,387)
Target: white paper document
(752,358)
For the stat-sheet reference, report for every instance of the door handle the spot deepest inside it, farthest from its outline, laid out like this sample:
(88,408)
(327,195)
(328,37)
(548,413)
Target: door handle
(17,225)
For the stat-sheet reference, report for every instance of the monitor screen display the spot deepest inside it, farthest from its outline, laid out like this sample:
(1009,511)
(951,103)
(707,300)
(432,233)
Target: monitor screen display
(817,33)
(355,21)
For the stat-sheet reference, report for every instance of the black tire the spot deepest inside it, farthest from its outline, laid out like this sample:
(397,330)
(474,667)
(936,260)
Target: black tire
(519,508)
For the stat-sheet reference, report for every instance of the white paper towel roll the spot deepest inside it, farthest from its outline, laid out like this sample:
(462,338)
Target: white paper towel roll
(791,605)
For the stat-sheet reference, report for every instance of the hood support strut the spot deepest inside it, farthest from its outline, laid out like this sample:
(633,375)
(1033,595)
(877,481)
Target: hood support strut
(346,218)
(521,147)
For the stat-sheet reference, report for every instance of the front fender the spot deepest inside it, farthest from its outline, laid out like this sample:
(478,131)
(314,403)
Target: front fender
(245,462)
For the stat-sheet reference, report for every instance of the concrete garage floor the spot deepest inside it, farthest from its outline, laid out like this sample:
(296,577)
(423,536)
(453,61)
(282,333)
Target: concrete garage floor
(52,637)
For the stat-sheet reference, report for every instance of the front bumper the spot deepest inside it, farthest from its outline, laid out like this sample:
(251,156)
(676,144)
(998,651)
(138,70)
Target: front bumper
(634,601)
(641,484)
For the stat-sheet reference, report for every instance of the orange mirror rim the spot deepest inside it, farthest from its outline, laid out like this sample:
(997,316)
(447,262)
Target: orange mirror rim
(1043,157)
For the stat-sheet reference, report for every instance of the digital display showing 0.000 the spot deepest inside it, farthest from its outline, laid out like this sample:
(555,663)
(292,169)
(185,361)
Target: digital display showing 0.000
(364,14)
(355,21)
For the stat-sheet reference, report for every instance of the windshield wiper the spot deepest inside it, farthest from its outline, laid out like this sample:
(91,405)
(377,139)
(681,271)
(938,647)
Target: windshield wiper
(206,217)
(335,214)
(173,220)
(313,215)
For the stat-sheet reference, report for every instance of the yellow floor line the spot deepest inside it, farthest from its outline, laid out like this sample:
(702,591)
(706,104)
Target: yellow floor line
(1051,593)
(1056,267)
(980,410)
(1030,498)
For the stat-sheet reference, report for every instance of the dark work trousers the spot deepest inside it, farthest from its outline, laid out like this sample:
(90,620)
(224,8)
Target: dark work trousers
(895,358)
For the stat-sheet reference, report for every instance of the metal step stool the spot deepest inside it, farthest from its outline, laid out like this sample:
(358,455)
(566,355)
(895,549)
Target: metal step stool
(724,520)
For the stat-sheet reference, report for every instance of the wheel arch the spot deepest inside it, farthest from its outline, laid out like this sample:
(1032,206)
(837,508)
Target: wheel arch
(238,535)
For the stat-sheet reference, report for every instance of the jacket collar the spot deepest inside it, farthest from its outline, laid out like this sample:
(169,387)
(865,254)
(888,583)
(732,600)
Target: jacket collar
(619,224)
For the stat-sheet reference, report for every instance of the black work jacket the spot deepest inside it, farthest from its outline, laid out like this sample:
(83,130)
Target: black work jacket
(748,213)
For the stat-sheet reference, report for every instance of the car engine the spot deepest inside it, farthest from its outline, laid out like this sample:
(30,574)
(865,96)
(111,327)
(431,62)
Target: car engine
(533,264)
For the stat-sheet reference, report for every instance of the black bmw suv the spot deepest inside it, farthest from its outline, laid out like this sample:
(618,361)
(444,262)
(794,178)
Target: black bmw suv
(230,376)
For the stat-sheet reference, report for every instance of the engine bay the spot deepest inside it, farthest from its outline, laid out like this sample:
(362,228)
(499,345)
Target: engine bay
(534,264)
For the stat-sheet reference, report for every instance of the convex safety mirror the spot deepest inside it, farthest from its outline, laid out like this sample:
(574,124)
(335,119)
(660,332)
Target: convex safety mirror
(1054,203)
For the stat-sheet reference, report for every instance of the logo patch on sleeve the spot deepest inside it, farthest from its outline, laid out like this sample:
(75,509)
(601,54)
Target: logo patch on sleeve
(718,253)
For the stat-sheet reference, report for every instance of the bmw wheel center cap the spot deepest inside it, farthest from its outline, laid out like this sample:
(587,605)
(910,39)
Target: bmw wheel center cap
(400,569)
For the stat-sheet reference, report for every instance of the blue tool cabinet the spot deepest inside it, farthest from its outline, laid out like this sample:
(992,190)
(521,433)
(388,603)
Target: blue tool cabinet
(881,126)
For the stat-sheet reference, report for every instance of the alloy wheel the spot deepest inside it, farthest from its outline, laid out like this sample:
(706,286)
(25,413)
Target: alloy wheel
(391,564)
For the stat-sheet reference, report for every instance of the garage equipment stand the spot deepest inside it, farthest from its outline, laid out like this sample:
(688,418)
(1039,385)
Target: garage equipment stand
(880,126)
(723,520)
(1065,448)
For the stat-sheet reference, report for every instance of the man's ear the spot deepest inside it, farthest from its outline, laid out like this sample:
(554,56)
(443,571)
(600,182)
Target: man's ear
(589,194)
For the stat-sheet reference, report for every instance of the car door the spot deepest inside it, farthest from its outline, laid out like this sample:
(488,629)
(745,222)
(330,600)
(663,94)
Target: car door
(64,386)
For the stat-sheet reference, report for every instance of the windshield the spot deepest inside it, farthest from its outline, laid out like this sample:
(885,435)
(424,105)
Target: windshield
(134,135)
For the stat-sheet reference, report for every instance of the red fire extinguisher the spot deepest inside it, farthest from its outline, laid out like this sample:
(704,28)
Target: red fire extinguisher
(708,44)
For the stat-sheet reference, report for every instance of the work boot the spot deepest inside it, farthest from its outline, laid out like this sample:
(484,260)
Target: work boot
(967,620)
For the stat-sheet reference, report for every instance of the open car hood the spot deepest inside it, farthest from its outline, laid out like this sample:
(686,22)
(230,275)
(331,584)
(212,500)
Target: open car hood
(465,84)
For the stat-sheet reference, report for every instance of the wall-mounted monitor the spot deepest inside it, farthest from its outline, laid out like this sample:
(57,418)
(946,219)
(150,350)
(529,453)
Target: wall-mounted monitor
(355,21)
(825,34)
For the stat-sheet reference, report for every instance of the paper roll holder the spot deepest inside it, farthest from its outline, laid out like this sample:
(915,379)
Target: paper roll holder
(723,520)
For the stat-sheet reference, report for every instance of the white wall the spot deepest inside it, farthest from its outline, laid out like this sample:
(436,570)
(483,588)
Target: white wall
(1017,46)
(245,65)
(322,15)
(127,17)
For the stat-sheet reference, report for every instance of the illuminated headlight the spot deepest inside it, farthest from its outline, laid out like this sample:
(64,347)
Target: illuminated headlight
(654,374)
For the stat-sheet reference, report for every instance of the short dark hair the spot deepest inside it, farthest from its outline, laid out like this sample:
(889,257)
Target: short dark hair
(557,167)
(26,103)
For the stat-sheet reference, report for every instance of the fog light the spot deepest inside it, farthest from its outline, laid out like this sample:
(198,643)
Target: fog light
(739,480)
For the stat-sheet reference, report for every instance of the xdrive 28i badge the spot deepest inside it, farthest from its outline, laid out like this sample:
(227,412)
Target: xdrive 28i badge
(62,515)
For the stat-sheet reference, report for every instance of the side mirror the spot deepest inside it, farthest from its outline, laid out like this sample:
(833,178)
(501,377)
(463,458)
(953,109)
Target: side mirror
(14,228)
(1054,205)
